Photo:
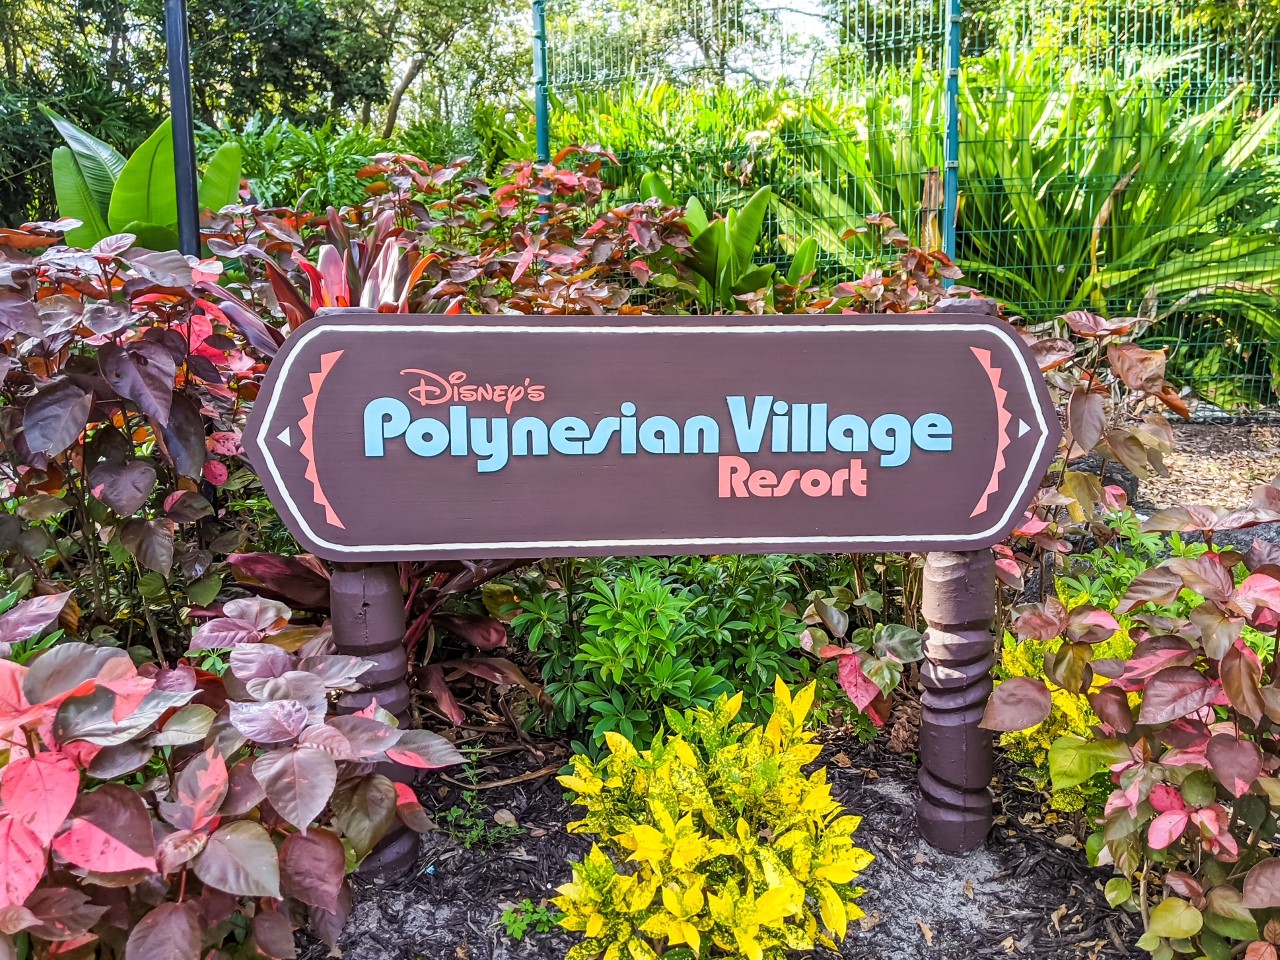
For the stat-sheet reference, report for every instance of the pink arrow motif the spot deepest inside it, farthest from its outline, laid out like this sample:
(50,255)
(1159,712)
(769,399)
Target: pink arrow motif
(1004,417)
(307,427)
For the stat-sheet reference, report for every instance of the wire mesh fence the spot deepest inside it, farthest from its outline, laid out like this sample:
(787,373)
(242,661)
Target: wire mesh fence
(1119,156)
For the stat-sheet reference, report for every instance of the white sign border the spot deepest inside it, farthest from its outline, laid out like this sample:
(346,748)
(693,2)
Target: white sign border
(312,330)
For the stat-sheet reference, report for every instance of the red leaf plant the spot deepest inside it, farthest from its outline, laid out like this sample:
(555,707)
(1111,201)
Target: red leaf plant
(144,809)
(1188,729)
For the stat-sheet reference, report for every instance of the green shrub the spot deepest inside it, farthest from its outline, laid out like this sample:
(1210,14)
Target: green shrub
(312,168)
(713,843)
(646,634)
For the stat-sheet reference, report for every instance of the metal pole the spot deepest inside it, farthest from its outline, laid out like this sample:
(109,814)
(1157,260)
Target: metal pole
(367,609)
(541,107)
(951,174)
(184,137)
(959,604)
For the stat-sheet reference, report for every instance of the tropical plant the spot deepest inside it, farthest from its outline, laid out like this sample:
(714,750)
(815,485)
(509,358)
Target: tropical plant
(1115,195)
(1127,194)
(238,803)
(838,160)
(713,842)
(1109,391)
(1186,727)
(724,250)
(110,195)
(633,649)
(122,408)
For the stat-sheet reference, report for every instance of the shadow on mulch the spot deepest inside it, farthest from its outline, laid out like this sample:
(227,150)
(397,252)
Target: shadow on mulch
(1022,895)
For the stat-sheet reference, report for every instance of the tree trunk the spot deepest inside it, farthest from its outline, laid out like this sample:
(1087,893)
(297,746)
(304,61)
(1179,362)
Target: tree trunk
(393,106)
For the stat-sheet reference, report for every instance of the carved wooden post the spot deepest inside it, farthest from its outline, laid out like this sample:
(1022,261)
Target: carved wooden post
(954,812)
(367,606)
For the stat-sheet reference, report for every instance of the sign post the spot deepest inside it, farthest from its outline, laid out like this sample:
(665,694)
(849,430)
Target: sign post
(959,601)
(367,610)
(384,438)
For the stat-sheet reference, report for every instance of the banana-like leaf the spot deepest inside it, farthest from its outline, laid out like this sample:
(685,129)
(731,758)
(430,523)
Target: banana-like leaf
(100,163)
(147,187)
(76,200)
(710,251)
(744,232)
(753,281)
(695,216)
(804,262)
(220,184)
(794,220)
(652,186)
(153,236)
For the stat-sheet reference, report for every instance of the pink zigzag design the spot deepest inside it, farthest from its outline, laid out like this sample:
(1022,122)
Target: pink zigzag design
(1004,417)
(307,426)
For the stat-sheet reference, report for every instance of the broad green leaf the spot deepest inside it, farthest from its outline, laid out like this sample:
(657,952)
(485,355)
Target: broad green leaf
(1093,848)
(899,641)
(1214,947)
(99,162)
(152,586)
(652,186)
(695,216)
(205,590)
(804,262)
(1119,890)
(76,200)
(147,189)
(1072,761)
(753,280)
(188,725)
(364,809)
(884,673)
(152,236)
(1226,914)
(745,232)
(220,184)
(710,251)
(1175,919)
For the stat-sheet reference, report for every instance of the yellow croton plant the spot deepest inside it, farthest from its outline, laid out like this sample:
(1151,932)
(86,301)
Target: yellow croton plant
(713,842)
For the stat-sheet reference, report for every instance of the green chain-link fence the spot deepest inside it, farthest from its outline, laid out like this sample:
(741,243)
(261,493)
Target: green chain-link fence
(1120,157)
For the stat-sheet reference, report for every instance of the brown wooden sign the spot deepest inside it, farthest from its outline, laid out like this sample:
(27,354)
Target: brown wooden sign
(383,437)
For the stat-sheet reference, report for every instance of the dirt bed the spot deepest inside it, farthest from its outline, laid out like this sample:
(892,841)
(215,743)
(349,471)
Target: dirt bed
(1024,895)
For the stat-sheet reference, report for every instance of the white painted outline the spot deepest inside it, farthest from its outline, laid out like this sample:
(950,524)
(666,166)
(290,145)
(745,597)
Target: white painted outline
(296,344)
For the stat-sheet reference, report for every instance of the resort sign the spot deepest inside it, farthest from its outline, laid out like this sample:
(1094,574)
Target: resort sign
(385,437)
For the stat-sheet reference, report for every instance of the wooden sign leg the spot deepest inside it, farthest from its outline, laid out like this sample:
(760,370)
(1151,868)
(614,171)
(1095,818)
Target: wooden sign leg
(367,607)
(954,812)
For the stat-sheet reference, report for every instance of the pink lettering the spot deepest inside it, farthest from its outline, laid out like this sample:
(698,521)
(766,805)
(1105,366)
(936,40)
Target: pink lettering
(733,473)
(432,389)
(736,478)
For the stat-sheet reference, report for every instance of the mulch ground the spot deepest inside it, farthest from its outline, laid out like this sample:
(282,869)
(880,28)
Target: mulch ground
(1024,894)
